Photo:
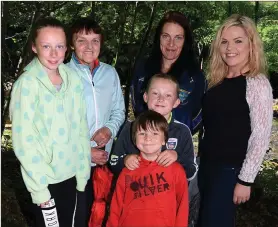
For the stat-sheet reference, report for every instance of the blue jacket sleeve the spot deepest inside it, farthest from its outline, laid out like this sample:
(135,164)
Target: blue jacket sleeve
(200,89)
(117,115)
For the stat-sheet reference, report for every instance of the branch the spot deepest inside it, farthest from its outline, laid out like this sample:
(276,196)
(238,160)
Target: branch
(16,34)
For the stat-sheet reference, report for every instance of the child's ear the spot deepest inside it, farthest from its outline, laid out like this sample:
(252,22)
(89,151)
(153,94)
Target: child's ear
(145,97)
(34,49)
(177,102)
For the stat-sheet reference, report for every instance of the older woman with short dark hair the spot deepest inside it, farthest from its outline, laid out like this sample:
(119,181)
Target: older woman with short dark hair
(103,96)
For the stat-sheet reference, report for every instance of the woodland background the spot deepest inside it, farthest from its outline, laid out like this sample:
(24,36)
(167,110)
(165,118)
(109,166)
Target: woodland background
(129,28)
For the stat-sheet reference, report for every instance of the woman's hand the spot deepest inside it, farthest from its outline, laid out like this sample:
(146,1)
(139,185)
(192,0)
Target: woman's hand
(99,157)
(167,157)
(131,161)
(102,136)
(241,193)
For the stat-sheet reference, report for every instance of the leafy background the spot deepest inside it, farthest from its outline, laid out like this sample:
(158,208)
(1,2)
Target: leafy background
(129,29)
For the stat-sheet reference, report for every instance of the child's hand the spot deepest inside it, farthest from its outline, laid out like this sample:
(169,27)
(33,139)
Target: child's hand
(167,157)
(43,205)
(241,193)
(131,161)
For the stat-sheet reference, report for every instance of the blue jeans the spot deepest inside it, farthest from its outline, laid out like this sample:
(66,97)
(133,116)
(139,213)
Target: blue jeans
(216,185)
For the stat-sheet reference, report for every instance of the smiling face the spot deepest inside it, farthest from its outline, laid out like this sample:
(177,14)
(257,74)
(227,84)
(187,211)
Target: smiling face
(235,48)
(162,96)
(171,41)
(50,47)
(87,47)
(149,142)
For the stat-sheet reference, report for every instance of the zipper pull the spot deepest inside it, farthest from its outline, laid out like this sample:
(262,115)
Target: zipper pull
(93,83)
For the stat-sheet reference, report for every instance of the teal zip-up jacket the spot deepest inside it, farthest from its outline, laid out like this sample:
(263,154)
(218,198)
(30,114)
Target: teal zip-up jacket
(49,130)
(104,98)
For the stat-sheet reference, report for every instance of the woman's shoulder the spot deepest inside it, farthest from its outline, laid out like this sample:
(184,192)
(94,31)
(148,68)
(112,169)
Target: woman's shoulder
(27,77)
(258,89)
(197,74)
(106,66)
(258,77)
(106,71)
(258,82)
(72,72)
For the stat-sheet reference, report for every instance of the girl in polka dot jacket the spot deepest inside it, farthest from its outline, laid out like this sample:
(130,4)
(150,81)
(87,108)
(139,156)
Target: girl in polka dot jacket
(50,132)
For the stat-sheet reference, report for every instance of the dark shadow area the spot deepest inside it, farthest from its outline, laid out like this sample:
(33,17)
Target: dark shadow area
(16,200)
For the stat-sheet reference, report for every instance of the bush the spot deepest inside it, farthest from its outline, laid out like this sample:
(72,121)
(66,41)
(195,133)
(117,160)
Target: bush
(262,209)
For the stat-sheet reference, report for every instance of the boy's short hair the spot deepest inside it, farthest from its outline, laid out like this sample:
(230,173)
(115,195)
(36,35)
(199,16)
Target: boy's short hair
(86,24)
(165,77)
(149,120)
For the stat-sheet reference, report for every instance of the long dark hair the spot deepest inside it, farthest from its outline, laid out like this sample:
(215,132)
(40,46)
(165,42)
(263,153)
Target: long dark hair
(187,61)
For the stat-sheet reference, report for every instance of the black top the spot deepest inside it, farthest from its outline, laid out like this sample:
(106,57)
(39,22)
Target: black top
(226,123)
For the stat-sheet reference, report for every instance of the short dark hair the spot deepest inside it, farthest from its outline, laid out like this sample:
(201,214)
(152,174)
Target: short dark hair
(149,120)
(165,77)
(86,24)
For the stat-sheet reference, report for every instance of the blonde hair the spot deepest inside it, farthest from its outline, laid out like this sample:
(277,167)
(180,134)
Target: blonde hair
(257,63)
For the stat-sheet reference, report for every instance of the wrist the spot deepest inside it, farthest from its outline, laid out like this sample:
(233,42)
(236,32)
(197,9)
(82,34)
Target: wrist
(244,182)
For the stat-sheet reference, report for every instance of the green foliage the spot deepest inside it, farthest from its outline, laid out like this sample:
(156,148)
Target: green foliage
(125,24)
(6,140)
(262,209)
(267,179)
(122,45)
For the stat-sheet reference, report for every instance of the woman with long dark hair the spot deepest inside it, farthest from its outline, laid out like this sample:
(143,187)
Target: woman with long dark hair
(173,53)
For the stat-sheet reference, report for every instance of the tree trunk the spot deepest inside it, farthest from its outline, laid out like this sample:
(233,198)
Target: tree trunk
(4,19)
(26,50)
(257,4)
(134,60)
(144,40)
(93,10)
(21,64)
(229,8)
(123,17)
(200,50)
(133,22)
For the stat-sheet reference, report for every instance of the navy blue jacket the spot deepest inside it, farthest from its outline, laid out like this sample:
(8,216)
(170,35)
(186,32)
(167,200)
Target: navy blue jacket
(192,88)
(179,139)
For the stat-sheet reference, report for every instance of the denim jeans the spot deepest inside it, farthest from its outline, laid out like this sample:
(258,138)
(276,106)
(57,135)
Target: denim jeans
(216,184)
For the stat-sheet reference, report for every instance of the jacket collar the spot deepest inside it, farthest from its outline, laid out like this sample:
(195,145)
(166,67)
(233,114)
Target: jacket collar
(36,68)
(171,119)
(79,64)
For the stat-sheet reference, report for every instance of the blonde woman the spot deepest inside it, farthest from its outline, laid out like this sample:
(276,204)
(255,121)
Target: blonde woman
(237,114)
